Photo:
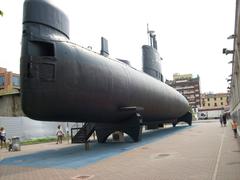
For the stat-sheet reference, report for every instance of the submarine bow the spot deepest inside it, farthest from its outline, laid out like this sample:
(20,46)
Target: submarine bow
(62,81)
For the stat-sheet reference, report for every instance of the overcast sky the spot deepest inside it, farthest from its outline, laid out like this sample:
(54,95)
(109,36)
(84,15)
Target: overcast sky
(190,33)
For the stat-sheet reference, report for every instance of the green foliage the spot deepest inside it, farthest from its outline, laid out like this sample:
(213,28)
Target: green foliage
(1,13)
(39,140)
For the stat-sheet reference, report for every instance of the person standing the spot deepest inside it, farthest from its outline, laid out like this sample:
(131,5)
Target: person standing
(3,137)
(221,120)
(234,127)
(225,119)
(59,134)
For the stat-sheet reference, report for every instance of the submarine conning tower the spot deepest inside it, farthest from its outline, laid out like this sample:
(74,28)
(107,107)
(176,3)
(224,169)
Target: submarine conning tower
(151,58)
(41,18)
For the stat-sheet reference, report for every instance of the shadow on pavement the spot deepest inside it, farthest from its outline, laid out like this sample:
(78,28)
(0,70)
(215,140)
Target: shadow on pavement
(76,156)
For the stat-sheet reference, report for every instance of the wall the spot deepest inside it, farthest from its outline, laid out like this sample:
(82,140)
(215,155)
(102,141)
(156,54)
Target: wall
(26,128)
(235,80)
(10,105)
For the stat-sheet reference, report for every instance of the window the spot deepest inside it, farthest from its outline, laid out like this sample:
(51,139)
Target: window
(16,81)
(215,104)
(221,103)
(208,99)
(2,81)
(203,104)
(215,99)
(221,98)
(208,104)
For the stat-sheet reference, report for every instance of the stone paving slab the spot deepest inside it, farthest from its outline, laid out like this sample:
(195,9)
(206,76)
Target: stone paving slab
(75,156)
(205,151)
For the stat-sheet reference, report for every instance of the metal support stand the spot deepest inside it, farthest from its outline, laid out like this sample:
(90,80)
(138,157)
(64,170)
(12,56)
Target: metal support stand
(132,127)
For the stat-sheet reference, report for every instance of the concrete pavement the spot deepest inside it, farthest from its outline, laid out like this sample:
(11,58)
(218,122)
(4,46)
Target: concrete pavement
(204,151)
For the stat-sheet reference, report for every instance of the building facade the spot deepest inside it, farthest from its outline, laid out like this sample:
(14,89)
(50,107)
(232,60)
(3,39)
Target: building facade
(214,101)
(234,79)
(188,86)
(9,82)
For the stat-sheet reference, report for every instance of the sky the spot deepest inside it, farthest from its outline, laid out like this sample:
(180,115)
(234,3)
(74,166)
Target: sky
(190,33)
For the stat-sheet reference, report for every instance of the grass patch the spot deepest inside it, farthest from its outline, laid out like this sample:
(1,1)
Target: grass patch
(39,140)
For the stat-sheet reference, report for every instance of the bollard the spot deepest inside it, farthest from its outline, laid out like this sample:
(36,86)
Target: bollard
(87,146)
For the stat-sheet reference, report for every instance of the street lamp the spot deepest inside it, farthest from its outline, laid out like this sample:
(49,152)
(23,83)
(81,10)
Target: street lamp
(226,51)
(233,36)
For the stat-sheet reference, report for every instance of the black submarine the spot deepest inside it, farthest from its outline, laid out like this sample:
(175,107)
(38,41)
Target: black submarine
(62,81)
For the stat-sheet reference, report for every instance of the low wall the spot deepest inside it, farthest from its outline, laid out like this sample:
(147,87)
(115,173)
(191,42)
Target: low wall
(27,128)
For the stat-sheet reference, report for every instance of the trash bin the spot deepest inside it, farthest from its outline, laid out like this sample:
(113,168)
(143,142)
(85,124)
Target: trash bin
(16,145)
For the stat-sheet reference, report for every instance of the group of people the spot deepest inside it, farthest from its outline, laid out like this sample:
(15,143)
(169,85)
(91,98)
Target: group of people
(223,122)
(3,137)
(59,134)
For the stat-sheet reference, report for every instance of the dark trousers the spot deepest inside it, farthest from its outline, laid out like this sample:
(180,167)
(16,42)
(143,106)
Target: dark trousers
(235,133)
(59,139)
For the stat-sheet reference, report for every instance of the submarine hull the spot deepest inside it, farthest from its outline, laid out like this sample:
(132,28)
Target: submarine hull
(61,81)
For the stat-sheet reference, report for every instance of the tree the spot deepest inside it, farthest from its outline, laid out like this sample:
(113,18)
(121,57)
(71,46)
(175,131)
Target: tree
(1,13)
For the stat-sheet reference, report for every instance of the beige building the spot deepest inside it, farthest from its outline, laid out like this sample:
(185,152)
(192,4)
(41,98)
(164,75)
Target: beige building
(210,101)
(188,86)
(9,82)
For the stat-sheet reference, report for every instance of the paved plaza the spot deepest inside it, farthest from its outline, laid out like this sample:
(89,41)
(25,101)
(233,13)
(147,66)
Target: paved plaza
(204,151)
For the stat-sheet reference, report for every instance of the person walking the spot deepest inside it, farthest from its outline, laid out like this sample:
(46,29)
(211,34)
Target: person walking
(234,127)
(59,134)
(221,120)
(225,119)
(3,137)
